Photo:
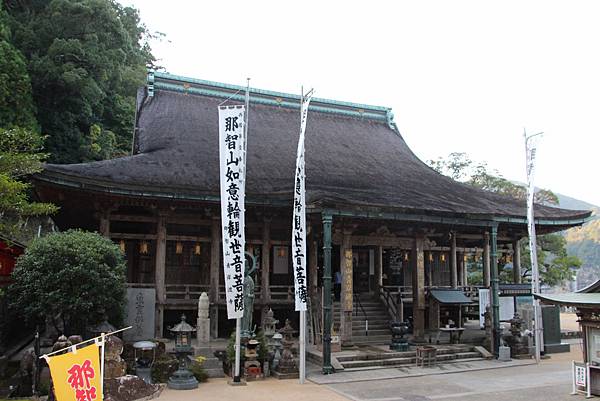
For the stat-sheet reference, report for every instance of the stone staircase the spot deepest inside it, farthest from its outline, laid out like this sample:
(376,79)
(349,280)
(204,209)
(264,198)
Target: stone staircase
(378,359)
(378,329)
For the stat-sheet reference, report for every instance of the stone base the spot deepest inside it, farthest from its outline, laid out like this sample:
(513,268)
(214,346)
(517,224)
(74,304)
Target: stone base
(288,375)
(557,348)
(212,366)
(240,383)
(182,380)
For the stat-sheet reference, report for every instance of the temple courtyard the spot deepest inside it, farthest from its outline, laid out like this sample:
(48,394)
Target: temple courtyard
(478,380)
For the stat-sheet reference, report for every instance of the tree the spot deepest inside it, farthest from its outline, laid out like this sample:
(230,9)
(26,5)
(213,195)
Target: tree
(86,59)
(554,263)
(72,278)
(20,155)
(16,102)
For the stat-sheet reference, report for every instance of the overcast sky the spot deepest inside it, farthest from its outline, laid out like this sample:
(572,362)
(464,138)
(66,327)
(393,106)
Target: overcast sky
(460,76)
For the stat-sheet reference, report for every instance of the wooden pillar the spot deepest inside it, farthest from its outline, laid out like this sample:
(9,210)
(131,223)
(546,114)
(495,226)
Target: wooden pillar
(460,261)
(486,260)
(516,261)
(159,272)
(465,270)
(104,228)
(313,277)
(453,262)
(347,293)
(215,265)
(265,264)
(378,267)
(327,301)
(418,288)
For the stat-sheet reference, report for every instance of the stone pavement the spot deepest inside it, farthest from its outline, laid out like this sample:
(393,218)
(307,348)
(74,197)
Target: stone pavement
(548,381)
(265,390)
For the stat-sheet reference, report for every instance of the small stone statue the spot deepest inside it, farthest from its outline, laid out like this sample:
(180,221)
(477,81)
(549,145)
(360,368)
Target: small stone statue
(247,329)
(269,323)
(203,321)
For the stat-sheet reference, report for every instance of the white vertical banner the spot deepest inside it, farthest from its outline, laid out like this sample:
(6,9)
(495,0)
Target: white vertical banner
(530,150)
(299,219)
(232,166)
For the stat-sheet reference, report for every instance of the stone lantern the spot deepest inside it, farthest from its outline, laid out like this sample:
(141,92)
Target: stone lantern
(183,379)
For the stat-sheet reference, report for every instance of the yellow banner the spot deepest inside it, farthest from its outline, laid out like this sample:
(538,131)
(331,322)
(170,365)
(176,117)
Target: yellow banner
(76,375)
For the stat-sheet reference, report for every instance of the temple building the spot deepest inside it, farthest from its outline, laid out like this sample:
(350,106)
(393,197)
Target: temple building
(382,224)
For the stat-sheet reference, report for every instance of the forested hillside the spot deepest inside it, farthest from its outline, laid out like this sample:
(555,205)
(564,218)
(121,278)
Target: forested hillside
(584,242)
(74,67)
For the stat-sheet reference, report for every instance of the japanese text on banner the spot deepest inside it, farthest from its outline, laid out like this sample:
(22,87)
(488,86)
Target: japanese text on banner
(77,376)
(299,218)
(232,161)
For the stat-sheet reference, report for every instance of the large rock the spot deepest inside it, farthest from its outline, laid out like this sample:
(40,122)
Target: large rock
(130,388)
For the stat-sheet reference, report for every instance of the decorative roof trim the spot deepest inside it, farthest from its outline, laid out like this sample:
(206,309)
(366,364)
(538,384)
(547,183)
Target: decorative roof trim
(176,83)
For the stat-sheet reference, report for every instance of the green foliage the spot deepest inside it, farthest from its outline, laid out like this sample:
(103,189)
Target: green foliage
(16,102)
(460,167)
(76,275)
(197,369)
(554,263)
(86,59)
(163,368)
(20,155)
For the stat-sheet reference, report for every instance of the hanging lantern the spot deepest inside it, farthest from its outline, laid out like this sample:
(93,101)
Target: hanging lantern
(443,257)
(405,256)
(178,248)
(144,247)
(122,245)
(281,252)
(465,257)
(197,249)
(430,256)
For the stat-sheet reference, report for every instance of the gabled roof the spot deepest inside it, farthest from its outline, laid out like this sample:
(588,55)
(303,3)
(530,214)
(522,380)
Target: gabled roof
(355,156)
(580,300)
(592,288)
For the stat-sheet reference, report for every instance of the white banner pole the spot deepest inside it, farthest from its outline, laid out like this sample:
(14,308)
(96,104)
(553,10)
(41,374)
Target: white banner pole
(238,348)
(299,235)
(530,151)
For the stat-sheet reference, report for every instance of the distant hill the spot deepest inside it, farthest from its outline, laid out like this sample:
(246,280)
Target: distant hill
(584,242)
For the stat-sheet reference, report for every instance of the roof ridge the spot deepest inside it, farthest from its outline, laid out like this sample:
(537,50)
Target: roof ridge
(177,83)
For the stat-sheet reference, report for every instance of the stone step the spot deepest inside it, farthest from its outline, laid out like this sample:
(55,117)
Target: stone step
(405,354)
(372,332)
(375,367)
(408,360)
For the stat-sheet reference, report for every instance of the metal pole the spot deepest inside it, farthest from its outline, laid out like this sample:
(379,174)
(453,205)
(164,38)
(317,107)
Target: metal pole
(302,346)
(327,368)
(103,345)
(238,329)
(495,301)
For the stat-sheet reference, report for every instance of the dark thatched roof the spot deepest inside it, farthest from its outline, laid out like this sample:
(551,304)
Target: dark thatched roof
(354,157)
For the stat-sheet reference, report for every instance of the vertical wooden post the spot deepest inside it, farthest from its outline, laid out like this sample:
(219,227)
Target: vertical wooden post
(460,258)
(159,271)
(453,261)
(327,220)
(465,271)
(104,228)
(516,245)
(215,265)
(313,256)
(418,288)
(265,264)
(346,298)
(486,259)
(378,268)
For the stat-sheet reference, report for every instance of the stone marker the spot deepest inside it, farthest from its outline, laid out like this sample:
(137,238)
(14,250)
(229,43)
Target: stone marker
(203,321)
(140,314)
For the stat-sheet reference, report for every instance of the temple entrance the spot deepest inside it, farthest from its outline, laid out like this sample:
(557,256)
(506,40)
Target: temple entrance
(363,260)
